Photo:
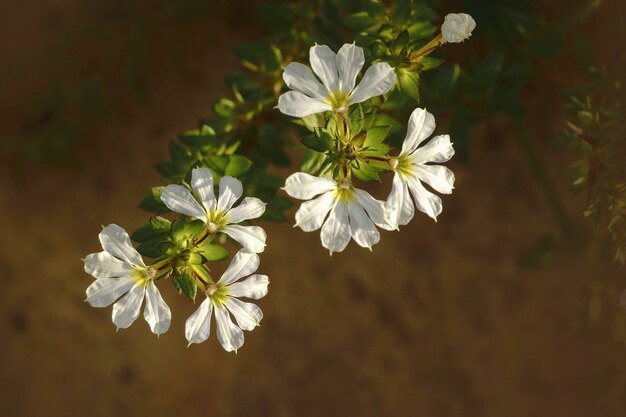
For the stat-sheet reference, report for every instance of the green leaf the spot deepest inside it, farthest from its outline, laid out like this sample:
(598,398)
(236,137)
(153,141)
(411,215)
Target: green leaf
(212,252)
(409,83)
(355,120)
(238,165)
(379,49)
(185,284)
(152,202)
(359,21)
(150,249)
(312,161)
(224,107)
(401,42)
(365,171)
(275,209)
(321,141)
(375,138)
(217,163)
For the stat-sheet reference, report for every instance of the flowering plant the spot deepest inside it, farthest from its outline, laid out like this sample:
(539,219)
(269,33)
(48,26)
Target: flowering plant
(347,125)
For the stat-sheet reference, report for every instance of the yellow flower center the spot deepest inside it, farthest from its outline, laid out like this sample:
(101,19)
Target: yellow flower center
(344,191)
(404,166)
(142,276)
(216,220)
(339,101)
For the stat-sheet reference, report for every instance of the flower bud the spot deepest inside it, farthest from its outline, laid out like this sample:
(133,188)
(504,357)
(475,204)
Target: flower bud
(457,27)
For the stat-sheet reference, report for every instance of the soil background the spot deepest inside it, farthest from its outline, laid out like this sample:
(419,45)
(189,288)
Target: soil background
(439,320)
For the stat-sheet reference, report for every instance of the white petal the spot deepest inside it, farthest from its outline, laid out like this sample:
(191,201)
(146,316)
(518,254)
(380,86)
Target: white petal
(438,149)
(378,79)
(296,104)
(324,65)
(376,210)
(305,186)
(254,287)
(198,325)
(243,264)
(437,176)
(230,191)
(249,208)
(399,203)
(425,201)
(247,315)
(116,241)
(335,233)
(311,214)
(202,184)
(228,333)
(104,291)
(178,199)
(299,77)
(457,27)
(156,312)
(251,238)
(105,265)
(421,126)
(350,60)
(126,310)
(362,229)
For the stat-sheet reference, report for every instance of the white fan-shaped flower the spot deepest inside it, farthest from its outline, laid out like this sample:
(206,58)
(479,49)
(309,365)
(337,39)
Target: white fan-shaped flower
(412,167)
(337,73)
(219,214)
(120,271)
(457,27)
(353,214)
(222,297)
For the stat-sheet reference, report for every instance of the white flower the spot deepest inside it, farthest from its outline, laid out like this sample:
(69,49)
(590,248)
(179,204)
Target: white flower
(219,215)
(222,297)
(412,169)
(457,27)
(353,212)
(120,270)
(338,74)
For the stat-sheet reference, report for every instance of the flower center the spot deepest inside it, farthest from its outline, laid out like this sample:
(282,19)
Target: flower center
(344,191)
(215,221)
(144,275)
(404,166)
(338,100)
(217,293)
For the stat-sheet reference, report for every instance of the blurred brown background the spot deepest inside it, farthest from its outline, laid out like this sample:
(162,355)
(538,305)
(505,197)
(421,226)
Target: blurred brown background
(439,320)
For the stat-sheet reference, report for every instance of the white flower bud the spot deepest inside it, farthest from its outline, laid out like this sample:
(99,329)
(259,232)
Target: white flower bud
(457,27)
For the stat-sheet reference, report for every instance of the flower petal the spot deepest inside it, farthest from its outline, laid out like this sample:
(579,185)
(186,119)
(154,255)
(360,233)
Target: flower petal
(198,325)
(438,149)
(249,208)
(252,238)
(378,79)
(228,333)
(335,233)
(105,265)
(156,312)
(299,77)
(202,184)
(399,204)
(437,176)
(116,241)
(247,315)
(254,287)
(350,60)
(104,291)
(421,126)
(230,191)
(126,310)
(305,186)
(376,210)
(243,264)
(362,229)
(323,62)
(425,201)
(296,104)
(311,214)
(178,199)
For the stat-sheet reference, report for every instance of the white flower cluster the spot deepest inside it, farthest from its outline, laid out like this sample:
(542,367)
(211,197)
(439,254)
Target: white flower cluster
(341,210)
(124,279)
